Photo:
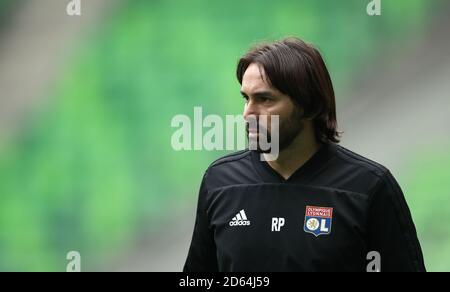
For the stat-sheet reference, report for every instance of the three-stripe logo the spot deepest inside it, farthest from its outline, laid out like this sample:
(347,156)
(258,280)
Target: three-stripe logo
(240,219)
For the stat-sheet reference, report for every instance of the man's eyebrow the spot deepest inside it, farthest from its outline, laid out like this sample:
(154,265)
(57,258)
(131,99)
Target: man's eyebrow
(258,94)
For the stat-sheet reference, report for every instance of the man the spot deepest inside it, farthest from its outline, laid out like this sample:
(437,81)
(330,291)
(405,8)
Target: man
(318,206)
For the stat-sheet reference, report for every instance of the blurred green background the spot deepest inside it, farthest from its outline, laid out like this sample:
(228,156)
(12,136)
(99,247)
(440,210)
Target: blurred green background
(86,162)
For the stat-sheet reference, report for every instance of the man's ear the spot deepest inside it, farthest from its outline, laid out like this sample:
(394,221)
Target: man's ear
(301,111)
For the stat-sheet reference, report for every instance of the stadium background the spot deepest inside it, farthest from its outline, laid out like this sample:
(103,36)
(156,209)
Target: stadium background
(86,102)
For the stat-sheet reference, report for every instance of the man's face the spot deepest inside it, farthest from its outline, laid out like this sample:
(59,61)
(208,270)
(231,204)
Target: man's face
(263,99)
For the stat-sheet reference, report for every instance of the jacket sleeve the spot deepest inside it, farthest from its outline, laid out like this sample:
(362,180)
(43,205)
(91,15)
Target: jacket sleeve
(391,229)
(202,252)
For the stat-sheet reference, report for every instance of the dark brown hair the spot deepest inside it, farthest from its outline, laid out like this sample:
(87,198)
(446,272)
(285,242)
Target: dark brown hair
(297,69)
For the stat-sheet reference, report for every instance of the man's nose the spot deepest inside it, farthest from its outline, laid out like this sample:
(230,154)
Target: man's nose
(250,109)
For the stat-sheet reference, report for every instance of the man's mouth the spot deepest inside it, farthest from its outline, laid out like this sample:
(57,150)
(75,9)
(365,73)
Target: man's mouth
(254,131)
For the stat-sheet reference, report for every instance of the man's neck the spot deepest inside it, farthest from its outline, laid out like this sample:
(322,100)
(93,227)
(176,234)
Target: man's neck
(296,154)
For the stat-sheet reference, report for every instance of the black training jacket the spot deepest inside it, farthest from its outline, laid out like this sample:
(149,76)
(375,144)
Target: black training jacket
(327,216)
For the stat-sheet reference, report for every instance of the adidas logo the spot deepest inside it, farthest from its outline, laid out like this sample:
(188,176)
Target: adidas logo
(240,219)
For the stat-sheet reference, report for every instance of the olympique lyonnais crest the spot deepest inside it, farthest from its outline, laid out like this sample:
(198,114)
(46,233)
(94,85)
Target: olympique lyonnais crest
(318,220)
